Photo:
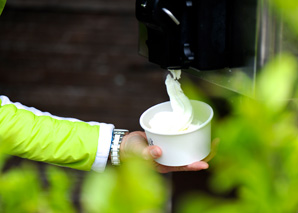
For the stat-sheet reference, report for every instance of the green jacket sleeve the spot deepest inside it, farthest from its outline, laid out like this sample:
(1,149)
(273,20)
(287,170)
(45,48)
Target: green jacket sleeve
(29,133)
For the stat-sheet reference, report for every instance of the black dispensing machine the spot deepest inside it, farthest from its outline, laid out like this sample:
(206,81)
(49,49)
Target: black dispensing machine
(221,41)
(204,35)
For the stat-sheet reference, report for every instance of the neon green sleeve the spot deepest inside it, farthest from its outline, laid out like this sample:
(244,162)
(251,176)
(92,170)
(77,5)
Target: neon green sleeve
(39,136)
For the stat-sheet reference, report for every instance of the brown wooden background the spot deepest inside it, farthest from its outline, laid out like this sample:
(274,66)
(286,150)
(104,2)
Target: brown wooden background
(79,59)
(77,62)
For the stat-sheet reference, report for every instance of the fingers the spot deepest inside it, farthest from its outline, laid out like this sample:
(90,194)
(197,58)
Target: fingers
(199,165)
(154,152)
(196,166)
(136,144)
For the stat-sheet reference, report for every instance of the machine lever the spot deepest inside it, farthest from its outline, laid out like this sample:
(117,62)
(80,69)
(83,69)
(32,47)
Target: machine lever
(170,14)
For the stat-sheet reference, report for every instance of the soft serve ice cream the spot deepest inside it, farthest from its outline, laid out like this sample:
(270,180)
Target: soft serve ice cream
(180,127)
(181,116)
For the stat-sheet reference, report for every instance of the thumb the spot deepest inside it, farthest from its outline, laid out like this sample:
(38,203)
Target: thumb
(152,152)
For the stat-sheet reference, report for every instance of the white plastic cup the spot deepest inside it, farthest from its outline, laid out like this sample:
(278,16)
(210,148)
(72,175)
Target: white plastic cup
(185,147)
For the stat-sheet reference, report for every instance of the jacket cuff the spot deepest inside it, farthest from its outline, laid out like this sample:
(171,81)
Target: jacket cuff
(103,147)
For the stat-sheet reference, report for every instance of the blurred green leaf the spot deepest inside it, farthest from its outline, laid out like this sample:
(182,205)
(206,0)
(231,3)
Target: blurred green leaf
(59,190)
(2,5)
(133,187)
(20,190)
(276,81)
(288,9)
(199,202)
(192,91)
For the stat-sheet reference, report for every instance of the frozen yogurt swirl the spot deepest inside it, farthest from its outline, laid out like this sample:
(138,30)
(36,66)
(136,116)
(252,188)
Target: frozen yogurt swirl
(182,115)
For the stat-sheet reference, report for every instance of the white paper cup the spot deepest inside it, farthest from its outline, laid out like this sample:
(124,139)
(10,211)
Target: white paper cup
(185,147)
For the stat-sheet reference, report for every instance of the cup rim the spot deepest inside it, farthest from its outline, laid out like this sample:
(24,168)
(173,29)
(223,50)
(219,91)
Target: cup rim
(178,133)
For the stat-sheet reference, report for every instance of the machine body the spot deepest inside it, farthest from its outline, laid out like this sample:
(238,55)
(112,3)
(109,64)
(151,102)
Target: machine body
(199,34)
(225,42)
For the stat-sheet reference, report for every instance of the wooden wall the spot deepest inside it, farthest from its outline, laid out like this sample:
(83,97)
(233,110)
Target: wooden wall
(79,59)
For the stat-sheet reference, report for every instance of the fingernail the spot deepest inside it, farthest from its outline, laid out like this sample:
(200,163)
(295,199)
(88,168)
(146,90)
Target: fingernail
(154,153)
(205,165)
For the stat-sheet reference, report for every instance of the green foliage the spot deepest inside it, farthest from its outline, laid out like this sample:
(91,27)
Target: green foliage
(288,9)
(59,190)
(21,191)
(257,155)
(277,82)
(133,187)
(2,4)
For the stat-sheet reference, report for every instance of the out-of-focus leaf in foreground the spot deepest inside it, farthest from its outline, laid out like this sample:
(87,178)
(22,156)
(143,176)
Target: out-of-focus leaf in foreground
(133,187)
(288,10)
(2,5)
(276,82)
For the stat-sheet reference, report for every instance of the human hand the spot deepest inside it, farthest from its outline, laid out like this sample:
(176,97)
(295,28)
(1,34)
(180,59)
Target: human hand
(135,143)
